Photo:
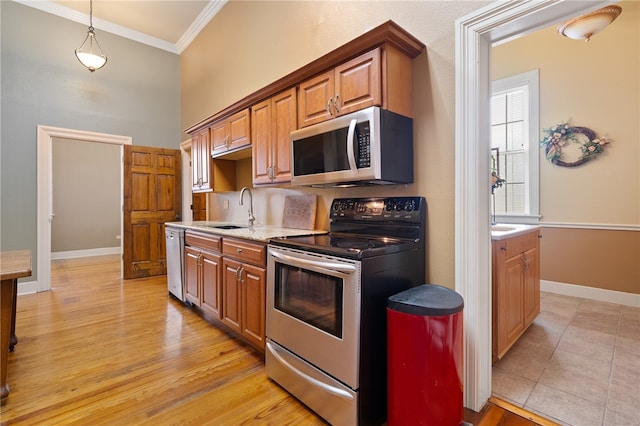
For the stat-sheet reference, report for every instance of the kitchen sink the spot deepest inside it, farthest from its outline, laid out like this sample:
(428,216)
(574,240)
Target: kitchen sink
(225,226)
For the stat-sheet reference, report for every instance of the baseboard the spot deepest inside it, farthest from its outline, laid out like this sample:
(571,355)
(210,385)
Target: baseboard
(85,253)
(600,294)
(28,287)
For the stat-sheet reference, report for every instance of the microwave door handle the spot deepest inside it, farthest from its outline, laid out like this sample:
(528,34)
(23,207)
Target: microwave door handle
(323,265)
(350,153)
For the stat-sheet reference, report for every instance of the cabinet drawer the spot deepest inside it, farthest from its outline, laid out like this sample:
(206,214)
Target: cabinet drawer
(521,243)
(245,251)
(202,240)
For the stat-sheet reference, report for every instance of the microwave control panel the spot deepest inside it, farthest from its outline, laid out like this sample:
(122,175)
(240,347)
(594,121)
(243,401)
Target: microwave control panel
(363,136)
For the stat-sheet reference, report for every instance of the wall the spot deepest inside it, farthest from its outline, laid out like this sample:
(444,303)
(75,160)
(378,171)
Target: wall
(592,211)
(136,94)
(86,195)
(248,45)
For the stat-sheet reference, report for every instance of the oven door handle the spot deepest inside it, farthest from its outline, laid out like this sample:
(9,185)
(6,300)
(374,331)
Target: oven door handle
(324,386)
(326,266)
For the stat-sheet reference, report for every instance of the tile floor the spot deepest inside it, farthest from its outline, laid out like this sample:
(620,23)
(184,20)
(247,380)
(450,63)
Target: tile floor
(578,364)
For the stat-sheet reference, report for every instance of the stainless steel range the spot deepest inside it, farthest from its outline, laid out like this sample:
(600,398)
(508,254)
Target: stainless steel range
(326,304)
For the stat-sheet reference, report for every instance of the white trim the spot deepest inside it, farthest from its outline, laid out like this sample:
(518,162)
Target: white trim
(201,21)
(73,254)
(593,293)
(27,287)
(531,81)
(600,226)
(187,197)
(475,34)
(209,11)
(45,137)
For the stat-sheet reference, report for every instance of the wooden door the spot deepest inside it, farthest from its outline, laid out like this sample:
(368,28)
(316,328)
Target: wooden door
(152,196)
(199,206)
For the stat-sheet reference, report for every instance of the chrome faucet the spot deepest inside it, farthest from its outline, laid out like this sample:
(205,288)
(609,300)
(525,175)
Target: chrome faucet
(252,218)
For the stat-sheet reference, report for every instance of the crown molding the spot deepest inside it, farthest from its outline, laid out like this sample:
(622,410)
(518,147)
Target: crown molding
(212,8)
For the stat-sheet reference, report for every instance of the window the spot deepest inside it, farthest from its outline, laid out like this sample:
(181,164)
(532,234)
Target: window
(514,142)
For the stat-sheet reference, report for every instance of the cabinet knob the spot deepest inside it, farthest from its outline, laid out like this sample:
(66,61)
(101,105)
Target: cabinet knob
(239,251)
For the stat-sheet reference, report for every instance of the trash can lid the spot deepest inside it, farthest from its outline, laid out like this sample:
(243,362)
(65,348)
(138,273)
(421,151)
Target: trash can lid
(428,300)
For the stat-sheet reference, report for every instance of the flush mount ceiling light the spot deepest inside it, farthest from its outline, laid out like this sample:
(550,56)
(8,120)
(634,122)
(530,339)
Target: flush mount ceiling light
(584,26)
(90,54)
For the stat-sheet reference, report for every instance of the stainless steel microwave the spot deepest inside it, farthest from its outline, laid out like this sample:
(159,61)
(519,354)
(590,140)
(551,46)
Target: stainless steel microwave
(368,147)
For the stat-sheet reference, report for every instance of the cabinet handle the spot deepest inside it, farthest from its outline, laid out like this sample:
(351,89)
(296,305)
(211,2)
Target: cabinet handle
(336,102)
(239,251)
(329,107)
(525,263)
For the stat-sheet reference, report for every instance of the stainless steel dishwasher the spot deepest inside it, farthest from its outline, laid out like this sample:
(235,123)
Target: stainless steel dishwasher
(174,238)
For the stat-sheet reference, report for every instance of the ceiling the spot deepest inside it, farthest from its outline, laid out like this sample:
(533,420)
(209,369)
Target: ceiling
(167,24)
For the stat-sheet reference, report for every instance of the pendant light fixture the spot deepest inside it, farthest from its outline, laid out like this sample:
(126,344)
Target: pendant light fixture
(90,54)
(584,26)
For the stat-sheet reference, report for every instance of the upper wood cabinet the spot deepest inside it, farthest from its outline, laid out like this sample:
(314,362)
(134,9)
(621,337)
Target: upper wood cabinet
(231,134)
(349,87)
(201,161)
(271,122)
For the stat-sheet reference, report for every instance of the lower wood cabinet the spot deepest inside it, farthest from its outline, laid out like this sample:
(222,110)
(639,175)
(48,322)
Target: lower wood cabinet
(203,273)
(516,288)
(244,288)
(226,278)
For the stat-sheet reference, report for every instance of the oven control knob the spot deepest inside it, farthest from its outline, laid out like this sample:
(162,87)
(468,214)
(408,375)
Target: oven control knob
(399,207)
(389,206)
(410,206)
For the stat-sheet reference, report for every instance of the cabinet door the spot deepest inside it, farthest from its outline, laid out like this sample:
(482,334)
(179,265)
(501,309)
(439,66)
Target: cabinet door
(271,124)
(261,139)
(192,275)
(511,295)
(357,83)
(239,130)
(315,99)
(531,285)
(219,139)
(253,303)
(283,122)
(201,161)
(231,306)
(211,285)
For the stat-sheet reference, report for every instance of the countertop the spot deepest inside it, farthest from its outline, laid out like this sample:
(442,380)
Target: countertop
(261,233)
(502,231)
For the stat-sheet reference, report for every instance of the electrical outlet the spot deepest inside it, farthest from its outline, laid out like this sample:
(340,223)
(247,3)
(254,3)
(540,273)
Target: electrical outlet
(225,204)
(117,237)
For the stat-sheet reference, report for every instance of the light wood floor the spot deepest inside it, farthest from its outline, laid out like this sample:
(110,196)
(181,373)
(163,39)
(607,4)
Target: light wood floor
(97,350)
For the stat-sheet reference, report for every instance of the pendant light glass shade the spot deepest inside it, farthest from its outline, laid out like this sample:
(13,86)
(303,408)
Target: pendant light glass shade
(584,26)
(90,53)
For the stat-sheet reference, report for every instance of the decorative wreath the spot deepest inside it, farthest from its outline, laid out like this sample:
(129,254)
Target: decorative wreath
(557,136)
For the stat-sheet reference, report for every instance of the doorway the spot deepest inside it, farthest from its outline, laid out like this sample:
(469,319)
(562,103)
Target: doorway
(475,34)
(45,137)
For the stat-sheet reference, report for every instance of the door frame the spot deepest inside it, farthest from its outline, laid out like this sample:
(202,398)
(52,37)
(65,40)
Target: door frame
(475,34)
(45,190)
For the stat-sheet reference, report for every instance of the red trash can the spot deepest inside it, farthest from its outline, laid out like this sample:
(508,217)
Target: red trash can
(424,363)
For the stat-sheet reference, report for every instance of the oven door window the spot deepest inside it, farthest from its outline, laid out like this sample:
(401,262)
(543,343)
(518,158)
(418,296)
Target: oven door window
(311,297)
